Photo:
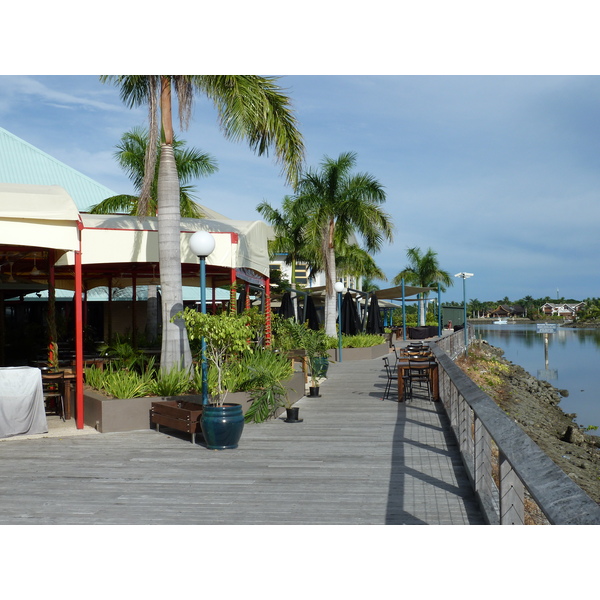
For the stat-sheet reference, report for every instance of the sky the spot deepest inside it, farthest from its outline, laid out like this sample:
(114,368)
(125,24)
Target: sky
(496,168)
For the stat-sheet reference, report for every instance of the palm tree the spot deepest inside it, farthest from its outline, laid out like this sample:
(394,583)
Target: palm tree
(338,204)
(249,107)
(131,152)
(353,261)
(288,226)
(423,270)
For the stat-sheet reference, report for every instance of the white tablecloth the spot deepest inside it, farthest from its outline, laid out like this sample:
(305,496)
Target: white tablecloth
(21,401)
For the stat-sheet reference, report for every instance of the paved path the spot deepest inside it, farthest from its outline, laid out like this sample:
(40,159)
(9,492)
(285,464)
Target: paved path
(355,459)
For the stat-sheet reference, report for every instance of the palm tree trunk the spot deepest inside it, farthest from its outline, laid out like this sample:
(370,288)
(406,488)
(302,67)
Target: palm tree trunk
(330,294)
(175,345)
(423,309)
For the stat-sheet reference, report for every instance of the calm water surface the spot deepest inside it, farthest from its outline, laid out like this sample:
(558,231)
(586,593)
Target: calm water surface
(571,362)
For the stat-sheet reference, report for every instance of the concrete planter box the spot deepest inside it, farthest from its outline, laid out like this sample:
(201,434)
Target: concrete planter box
(360,353)
(110,415)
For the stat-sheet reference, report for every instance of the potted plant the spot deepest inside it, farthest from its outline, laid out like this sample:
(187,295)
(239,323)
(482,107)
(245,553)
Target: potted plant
(227,336)
(264,371)
(315,344)
(291,410)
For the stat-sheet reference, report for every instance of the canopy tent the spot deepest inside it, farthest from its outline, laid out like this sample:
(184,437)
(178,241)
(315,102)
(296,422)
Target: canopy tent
(36,221)
(393,293)
(113,242)
(45,239)
(34,218)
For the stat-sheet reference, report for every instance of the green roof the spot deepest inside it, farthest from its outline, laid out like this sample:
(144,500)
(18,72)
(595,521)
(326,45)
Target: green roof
(20,162)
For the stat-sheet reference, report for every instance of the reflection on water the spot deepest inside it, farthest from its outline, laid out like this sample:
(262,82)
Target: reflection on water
(570,361)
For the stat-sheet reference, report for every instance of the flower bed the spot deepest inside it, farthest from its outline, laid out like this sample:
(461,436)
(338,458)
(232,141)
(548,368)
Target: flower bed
(109,415)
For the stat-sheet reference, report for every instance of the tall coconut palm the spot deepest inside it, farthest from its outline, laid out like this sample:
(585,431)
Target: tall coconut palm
(131,152)
(339,204)
(191,163)
(249,107)
(423,270)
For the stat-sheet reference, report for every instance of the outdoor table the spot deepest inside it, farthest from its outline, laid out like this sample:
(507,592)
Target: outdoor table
(22,407)
(432,369)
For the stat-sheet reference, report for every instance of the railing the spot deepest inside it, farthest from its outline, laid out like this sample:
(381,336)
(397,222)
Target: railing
(502,462)
(454,344)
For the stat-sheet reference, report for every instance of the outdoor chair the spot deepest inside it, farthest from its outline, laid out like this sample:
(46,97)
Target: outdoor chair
(396,356)
(418,372)
(392,375)
(53,385)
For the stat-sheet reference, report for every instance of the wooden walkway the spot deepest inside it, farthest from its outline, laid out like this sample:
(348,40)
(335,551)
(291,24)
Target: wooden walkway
(355,459)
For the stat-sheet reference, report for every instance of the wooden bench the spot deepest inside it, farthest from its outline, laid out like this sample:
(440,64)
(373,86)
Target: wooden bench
(183,416)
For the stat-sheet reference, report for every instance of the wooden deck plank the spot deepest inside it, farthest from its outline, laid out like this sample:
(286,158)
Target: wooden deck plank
(354,460)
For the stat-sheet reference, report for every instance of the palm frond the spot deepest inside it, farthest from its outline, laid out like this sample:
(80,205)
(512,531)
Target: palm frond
(255,109)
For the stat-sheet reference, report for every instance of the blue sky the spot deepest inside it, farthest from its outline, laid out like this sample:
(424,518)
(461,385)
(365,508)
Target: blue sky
(498,174)
(489,152)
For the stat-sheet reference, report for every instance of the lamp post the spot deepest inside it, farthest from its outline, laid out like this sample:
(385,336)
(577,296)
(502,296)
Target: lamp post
(464,277)
(339,288)
(202,243)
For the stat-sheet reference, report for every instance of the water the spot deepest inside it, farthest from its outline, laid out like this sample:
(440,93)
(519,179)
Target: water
(572,362)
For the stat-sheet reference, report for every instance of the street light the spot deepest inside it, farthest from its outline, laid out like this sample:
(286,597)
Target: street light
(339,288)
(202,243)
(464,277)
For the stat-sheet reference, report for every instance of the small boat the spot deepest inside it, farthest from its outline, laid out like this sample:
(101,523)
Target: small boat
(500,322)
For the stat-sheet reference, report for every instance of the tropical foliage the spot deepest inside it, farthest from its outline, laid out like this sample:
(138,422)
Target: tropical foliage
(227,338)
(131,152)
(337,205)
(423,270)
(250,108)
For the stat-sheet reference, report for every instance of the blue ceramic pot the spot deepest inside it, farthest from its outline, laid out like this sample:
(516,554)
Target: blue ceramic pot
(222,426)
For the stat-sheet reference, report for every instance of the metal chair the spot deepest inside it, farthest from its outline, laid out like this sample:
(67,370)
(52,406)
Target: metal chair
(418,372)
(53,385)
(392,375)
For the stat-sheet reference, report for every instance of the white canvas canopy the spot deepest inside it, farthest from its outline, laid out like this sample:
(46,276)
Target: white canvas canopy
(39,216)
(123,240)
(91,250)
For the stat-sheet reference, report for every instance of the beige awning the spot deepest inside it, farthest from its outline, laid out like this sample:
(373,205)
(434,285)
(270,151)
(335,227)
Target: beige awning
(38,216)
(393,293)
(124,240)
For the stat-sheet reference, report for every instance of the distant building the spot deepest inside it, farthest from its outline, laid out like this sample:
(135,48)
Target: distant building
(562,309)
(508,311)
(303,277)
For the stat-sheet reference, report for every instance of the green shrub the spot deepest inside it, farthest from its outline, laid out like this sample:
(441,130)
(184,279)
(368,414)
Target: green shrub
(361,340)
(264,371)
(174,383)
(94,377)
(123,355)
(126,384)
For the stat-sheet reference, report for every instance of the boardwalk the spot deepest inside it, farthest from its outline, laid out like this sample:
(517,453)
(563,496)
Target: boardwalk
(355,459)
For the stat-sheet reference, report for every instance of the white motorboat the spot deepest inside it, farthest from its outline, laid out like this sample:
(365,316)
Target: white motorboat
(500,322)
